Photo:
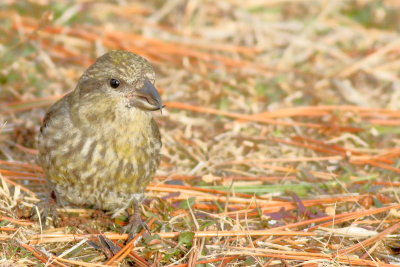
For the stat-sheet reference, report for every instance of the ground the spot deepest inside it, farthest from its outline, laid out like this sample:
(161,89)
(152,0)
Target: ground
(280,132)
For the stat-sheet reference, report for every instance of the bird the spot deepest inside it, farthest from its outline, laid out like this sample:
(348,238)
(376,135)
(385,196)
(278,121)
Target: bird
(99,145)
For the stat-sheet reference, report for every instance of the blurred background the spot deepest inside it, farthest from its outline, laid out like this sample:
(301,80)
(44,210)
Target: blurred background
(272,98)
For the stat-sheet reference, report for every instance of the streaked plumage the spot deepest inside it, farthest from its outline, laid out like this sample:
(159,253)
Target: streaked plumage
(99,145)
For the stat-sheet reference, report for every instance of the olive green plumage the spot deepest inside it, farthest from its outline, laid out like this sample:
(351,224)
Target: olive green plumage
(99,144)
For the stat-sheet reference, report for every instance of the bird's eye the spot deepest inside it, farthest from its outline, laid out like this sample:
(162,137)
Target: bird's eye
(114,83)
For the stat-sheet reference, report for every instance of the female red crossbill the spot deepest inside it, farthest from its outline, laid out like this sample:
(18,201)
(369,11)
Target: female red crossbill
(99,145)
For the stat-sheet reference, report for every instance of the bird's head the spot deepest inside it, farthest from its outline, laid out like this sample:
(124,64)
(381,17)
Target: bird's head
(121,75)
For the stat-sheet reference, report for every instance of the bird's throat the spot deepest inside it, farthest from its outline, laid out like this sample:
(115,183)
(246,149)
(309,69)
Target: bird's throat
(112,116)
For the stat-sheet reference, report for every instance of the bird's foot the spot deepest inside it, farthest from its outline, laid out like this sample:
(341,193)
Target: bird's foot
(135,222)
(46,208)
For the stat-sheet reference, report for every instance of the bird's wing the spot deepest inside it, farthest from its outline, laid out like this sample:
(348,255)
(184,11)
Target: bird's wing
(58,108)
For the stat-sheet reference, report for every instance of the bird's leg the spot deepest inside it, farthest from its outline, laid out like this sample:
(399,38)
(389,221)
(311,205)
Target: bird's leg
(135,221)
(46,207)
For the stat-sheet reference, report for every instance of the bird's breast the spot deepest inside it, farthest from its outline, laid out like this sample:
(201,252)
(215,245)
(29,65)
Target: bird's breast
(104,163)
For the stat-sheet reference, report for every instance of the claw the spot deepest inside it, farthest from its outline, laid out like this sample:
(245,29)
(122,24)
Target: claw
(135,222)
(46,207)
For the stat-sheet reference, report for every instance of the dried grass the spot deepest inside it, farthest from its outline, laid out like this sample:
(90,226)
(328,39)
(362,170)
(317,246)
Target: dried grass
(280,134)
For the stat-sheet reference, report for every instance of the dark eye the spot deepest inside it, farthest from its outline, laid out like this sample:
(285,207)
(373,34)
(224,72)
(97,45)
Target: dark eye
(114,83)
